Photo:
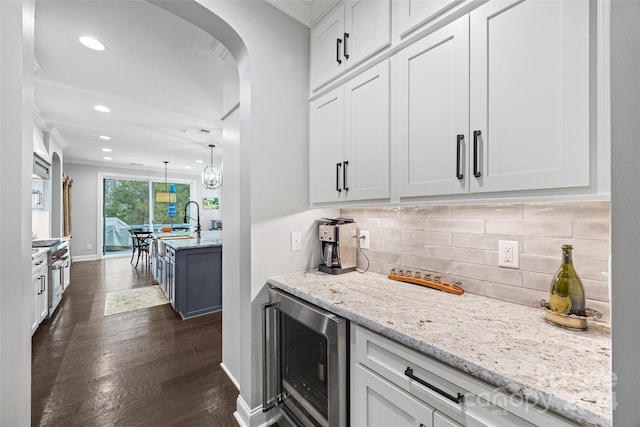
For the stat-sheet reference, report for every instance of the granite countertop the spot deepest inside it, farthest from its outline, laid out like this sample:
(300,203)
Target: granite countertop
(186,240)
(507,345)
(36,252)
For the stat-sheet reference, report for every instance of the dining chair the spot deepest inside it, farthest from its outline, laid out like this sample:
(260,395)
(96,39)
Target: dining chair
(141,241)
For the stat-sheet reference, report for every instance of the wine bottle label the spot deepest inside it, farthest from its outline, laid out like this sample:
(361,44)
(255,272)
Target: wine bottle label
(560,304)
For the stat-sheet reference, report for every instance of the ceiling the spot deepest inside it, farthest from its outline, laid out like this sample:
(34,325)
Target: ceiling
(160,76)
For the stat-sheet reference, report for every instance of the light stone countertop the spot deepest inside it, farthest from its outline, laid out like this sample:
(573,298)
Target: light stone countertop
(507,345)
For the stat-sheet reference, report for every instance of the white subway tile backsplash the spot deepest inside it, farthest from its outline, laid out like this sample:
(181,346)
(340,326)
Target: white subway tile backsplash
(547,228)
(403,224)
(427,237)
(472,256)
(366,223)
(484,241)
(460,242)
(384,212)
(403,248)
(427,212)
(488,211)
(387,235)
(568,210)
(455,225)
(582,248)
(595,230)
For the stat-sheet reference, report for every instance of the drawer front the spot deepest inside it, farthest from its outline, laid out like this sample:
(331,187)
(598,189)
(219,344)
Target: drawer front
(391,360)
(449,391)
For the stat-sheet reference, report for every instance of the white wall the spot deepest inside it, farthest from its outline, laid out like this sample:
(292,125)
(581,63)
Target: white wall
(16,160)
(272,54)
(625,203)
(85,199)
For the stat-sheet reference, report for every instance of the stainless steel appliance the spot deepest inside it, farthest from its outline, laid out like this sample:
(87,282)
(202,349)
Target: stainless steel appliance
(338,237)
(58,259)
(305,359)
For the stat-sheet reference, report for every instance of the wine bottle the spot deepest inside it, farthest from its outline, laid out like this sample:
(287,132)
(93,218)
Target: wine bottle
(567,292)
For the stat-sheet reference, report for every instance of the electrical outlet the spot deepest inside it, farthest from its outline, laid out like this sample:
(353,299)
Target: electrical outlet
(508,255)
(365,240)
(88,245)
(296,243)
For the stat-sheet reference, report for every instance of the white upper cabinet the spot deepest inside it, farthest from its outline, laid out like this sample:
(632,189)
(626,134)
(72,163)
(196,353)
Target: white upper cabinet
(530,94)
(411,14)
(496,101)
(430,113)
(348,34)
(349,140)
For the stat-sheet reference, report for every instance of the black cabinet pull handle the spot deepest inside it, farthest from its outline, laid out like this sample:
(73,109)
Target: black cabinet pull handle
(476,168)
(457,399)
(346,54)
(460,141)
(338,166)
(344,176)
(338,42)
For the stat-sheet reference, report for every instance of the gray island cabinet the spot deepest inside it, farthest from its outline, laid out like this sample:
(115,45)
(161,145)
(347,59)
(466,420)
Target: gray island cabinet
(189,271)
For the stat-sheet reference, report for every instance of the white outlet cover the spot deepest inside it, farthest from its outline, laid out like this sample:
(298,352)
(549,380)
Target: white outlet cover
(508,254)
(296,243)
(365,240)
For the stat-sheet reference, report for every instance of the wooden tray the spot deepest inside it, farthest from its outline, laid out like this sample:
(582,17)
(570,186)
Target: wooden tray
(455,289)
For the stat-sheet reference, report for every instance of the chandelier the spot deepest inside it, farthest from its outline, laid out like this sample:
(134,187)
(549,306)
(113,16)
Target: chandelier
(211,175)
(166,196)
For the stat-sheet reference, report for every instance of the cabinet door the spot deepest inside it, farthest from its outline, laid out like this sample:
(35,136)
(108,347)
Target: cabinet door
(367,29)
(530,94)
(43,301)
(36,288)
(430,102)
(440,420)
(411,14)
(327,47)
(326,125)
(378,403)
(366,167)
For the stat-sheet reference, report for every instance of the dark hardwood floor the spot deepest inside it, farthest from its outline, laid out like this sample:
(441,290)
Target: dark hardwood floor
(142,368)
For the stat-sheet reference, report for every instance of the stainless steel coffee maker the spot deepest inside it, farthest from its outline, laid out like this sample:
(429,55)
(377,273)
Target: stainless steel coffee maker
(338,238)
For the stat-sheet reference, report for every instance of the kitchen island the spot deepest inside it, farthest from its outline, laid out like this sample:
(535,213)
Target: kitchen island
(189,271)
(507,346)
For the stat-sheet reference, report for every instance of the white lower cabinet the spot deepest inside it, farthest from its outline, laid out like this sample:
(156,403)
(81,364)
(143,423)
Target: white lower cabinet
(40,291)
(378,403)
(393,385)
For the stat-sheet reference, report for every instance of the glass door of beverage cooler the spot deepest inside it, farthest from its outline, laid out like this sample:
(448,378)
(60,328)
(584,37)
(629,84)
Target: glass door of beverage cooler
(305,365)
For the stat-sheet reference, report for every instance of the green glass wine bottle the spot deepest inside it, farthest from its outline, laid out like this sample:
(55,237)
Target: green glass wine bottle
(567,292)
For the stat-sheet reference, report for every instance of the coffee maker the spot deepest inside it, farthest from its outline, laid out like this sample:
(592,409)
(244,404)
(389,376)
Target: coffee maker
(338,239)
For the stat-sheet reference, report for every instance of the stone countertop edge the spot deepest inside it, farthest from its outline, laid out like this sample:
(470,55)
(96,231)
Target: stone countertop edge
(531,394)
(192,243)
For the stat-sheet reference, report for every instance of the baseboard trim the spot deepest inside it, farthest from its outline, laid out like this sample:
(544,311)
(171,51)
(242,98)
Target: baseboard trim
(247,417)
(84,258)
(231,377)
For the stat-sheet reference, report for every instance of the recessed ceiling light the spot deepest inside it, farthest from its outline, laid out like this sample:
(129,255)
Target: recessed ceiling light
(105,137)
(187,167)
(107,158)
(91,43)
(107,150)
(102,108)
(198,161)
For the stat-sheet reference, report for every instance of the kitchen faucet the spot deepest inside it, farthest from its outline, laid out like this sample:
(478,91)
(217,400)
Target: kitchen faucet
(184,219)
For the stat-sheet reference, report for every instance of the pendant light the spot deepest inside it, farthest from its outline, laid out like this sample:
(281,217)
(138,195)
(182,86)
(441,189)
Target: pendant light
(211,175)
(165,196)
